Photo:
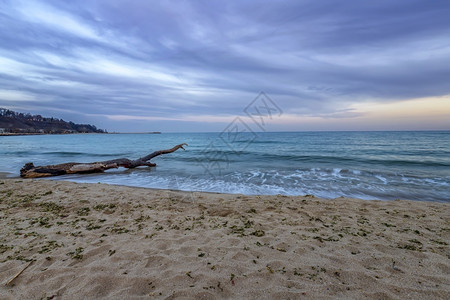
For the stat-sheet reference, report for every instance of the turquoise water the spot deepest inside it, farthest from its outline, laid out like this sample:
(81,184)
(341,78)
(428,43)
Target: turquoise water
(367,165)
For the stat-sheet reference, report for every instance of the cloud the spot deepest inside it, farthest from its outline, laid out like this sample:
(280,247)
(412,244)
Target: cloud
(45,15)
(12,95)
(161,61)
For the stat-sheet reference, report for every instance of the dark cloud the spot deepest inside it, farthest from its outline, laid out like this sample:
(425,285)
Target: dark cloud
(180,59)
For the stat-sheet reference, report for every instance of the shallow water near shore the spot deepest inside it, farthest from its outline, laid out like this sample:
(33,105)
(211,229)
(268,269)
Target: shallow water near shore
(366,165)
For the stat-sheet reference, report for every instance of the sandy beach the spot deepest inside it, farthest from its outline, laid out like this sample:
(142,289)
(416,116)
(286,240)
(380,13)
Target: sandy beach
(96,241)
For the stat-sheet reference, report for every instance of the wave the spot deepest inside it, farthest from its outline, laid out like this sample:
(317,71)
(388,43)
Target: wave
(256,141)
(321,182)
(14,153)
(346,159)
(233,156)
(87,154)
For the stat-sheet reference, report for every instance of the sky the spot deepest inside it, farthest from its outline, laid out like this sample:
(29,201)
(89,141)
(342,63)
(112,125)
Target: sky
(180,66)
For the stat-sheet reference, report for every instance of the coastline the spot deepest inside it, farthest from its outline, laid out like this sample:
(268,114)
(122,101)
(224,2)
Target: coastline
(19,134)
(72,133)
(106,241)
(35,133)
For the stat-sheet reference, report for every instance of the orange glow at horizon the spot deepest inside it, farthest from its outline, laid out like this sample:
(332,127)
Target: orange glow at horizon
(431,113)
(422,107)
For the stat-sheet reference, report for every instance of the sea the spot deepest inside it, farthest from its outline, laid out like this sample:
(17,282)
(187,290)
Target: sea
(411,165)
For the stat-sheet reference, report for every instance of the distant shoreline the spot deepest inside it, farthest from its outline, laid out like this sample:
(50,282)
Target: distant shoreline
(14,134)
(22,134)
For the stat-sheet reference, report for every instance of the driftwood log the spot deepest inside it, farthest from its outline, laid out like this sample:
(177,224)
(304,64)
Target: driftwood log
(30,171)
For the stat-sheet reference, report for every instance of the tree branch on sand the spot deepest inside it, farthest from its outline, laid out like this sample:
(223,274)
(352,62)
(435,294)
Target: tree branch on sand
(30,171)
